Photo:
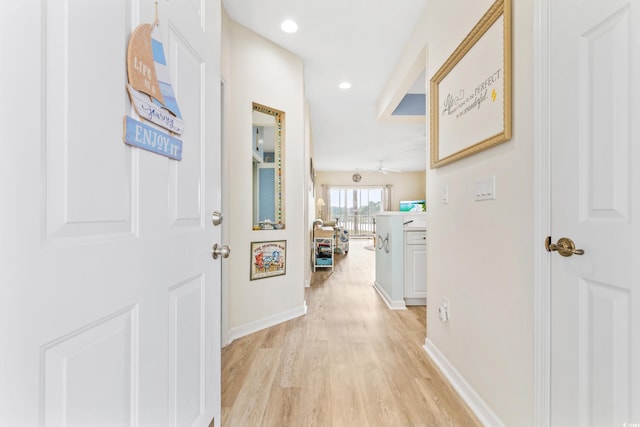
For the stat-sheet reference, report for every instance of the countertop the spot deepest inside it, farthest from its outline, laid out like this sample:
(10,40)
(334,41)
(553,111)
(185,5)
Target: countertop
(418,228)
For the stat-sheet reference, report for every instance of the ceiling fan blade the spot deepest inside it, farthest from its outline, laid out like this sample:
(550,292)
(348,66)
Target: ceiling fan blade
(380,169)
(387,170)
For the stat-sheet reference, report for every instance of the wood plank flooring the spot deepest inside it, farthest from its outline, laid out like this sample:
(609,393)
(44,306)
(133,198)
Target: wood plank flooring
(350,362)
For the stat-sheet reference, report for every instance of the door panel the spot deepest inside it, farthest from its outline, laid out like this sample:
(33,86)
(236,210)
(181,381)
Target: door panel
(187,176)
(594,339)
(186,350)
(76,391)
(78,123)
(604,78)
(605,367)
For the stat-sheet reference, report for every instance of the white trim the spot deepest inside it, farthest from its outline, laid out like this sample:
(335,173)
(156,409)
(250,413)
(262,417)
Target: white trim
(265,323)
(462,387)
(393,305)
(542,214)
(225,337)
(415,301)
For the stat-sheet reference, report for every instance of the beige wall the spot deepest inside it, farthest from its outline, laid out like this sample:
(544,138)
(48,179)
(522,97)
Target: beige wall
(480,254)
(404,186)
(310,207)
(256,70)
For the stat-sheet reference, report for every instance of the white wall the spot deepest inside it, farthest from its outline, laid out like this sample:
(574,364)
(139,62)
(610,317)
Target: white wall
(256,70)
(405,185)
(310,208)
(480,254)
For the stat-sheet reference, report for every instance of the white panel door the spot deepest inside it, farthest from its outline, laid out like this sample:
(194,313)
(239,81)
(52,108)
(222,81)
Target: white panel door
(595,297)
(109,298)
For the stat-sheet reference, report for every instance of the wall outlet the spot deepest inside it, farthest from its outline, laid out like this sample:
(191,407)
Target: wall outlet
(443,311)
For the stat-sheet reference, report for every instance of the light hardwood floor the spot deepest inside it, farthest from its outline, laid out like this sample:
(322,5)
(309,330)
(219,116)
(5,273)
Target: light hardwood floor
(349,362)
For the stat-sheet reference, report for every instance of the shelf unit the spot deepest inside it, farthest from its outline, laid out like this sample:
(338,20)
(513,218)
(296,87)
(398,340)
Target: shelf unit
(323,252)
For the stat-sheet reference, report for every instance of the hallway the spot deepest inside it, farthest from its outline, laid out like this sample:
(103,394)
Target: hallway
(349,362)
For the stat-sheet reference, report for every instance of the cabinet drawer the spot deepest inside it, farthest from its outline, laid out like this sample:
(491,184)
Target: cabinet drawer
(416,237)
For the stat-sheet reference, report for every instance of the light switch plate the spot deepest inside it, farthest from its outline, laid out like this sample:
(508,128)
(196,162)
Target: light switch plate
(445,195)
(486,188)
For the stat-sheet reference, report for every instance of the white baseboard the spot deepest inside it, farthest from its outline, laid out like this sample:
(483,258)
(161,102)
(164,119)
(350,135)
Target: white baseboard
(258,325)
(226,338)
(462,387)
(393,305)
(415,301)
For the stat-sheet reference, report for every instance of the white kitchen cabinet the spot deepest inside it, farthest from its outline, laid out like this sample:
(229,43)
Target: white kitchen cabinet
(415,267)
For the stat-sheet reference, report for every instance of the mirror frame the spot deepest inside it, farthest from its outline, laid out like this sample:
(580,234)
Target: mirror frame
(278,159)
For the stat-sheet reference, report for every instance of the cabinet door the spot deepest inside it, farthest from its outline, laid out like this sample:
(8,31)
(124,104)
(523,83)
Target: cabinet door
(415,274)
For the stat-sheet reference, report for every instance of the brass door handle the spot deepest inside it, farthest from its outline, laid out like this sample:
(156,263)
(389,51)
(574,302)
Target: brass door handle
(564,247)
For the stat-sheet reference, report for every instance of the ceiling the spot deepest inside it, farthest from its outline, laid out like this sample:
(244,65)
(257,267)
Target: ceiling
(358,41)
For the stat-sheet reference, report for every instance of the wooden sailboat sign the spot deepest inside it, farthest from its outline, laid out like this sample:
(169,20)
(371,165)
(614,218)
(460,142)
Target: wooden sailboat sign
(150,87)
(141,69)
(151,95)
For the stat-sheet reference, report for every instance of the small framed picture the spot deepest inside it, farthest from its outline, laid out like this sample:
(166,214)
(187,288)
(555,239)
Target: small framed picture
(268,259)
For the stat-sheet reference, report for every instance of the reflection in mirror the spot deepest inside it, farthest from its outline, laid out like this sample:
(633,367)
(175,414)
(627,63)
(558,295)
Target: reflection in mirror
(268,167)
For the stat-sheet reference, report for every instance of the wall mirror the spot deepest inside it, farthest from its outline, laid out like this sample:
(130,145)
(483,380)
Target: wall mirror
(267,155)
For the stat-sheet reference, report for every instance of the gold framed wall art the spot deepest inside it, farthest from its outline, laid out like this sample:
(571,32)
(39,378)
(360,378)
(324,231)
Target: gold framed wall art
(470,95)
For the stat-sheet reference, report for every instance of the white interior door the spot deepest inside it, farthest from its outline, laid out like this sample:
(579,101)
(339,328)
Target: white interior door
(595,297)
(110,301)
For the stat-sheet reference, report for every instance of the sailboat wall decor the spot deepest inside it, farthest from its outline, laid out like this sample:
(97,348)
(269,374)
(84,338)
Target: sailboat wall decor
(141,69)
(152,95)
(149,138)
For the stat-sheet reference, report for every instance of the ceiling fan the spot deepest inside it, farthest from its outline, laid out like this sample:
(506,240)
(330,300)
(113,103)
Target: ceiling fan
(381,169)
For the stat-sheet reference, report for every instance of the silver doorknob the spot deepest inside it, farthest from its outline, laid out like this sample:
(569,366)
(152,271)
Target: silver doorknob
(216,218)
(218,250)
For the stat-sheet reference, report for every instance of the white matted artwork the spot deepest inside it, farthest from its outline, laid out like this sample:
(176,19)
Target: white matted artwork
(471,93)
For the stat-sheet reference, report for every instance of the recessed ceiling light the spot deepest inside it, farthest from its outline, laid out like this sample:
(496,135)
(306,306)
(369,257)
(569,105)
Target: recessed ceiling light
(289,26)
(345,85)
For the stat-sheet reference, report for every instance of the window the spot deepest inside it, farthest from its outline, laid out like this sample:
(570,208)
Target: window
(355,208)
